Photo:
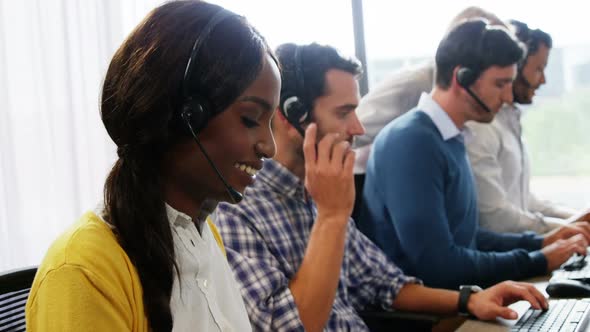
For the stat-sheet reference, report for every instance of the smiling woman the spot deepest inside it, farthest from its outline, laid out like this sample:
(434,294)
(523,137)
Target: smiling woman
(150,259)
(245,126)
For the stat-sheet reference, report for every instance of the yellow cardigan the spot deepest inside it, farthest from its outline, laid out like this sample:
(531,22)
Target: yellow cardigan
(87,283)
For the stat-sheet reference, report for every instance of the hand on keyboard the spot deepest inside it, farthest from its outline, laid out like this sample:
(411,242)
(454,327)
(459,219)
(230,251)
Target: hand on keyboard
(567,231)
(492,302)
(561,250)
(563,315)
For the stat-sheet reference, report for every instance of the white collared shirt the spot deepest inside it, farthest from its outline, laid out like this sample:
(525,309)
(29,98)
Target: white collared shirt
(501,167)
(206,297)
(441,119)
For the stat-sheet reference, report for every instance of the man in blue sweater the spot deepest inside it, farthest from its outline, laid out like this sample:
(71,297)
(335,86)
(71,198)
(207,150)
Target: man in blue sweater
(420,203)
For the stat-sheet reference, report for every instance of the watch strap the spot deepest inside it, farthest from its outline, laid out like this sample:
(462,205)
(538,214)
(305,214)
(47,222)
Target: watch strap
(465,292)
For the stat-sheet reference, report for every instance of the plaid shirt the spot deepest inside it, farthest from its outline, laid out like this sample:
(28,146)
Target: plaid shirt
(266,236)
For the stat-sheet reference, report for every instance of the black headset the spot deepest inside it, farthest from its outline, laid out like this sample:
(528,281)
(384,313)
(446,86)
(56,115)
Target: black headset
(293,106)
(195,110)
(466,76)
(525,35)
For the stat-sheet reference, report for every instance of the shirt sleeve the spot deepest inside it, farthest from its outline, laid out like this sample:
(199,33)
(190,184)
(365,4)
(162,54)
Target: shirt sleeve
(392,98)
(548,208)
(497,212)
(411,174)
(373,280)
(71,298)
(492,241)
(264,287)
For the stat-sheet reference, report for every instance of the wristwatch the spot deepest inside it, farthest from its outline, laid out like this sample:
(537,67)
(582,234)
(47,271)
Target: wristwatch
(465,292)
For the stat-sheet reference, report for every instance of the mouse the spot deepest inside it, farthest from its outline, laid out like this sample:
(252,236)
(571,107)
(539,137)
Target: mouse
(568,288)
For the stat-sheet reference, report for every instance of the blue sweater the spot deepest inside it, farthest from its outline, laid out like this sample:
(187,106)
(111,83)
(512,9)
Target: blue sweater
(420,207)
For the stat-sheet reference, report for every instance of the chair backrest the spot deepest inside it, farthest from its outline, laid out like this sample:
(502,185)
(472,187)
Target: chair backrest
(14,291)
(359,183)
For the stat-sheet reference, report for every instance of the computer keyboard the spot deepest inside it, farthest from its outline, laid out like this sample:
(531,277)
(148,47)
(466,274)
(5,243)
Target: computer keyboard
(562,315)
(575,263)
(576,267)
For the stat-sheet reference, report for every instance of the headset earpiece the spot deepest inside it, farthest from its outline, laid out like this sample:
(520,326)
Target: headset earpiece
(295,110)
(193,113)
(466,77)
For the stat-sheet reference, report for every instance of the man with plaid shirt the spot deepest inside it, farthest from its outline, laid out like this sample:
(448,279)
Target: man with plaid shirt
(297,255)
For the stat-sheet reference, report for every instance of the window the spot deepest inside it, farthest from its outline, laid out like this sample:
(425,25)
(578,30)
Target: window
(53,57)
(556,126)
(300,22)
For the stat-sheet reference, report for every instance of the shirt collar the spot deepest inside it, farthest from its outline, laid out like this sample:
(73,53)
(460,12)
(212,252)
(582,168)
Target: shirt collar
(512,111)
(441,119)
(509,117)
(177,218)
(281,179)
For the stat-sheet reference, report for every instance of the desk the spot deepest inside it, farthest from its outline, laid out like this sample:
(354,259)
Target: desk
(503,325)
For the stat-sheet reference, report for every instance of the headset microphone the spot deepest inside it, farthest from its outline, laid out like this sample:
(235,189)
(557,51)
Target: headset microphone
(466,77)
(234,194)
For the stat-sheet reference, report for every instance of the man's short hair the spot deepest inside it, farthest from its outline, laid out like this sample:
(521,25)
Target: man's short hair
(531,38)
(314,61)
(476,45)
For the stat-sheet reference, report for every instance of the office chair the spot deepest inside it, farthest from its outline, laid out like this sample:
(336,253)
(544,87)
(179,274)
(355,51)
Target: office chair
(376,319)
(359,182)
(14,291)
